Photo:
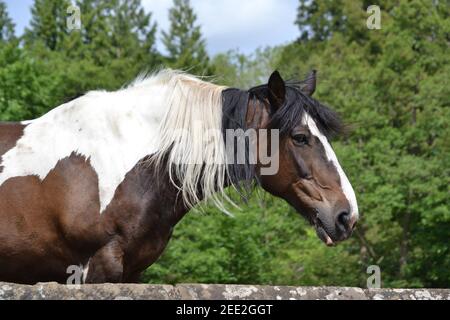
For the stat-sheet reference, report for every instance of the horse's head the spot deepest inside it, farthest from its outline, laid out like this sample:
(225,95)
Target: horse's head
(309,176)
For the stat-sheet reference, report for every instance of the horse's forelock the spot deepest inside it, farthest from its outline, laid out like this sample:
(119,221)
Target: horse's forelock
(296,104)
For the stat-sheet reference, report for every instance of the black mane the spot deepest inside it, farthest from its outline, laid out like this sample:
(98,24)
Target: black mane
(234,113)
(291,113)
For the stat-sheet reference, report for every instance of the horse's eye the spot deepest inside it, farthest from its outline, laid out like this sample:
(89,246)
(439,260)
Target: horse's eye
(300,139)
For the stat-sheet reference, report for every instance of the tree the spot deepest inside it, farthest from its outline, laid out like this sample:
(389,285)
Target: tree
(48,23)
(116,42)
(184,41)
(26,86)
(6,24)
(319,19)
(115,30)
(245,71)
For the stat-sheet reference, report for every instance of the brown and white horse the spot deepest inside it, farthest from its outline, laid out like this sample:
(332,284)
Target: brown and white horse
(101,181)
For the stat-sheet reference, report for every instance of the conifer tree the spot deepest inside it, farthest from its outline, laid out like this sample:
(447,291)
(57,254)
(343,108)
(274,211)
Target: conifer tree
(184,43)
(115,30)
(48,23)
(6,24)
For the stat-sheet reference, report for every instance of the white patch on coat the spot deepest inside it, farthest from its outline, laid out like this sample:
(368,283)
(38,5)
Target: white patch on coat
(346,187)
(85,271)
(114,130)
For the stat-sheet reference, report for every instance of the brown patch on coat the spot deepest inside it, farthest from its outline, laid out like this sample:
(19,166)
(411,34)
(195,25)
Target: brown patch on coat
(51,224)
(10,133)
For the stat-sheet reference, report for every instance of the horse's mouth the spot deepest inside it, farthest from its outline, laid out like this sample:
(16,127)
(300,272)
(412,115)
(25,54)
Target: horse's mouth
(322,233)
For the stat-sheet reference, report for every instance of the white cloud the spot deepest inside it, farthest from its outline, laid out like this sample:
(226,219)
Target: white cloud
(237,24)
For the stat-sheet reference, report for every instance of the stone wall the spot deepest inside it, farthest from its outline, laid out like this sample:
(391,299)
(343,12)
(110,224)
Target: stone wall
(52,291)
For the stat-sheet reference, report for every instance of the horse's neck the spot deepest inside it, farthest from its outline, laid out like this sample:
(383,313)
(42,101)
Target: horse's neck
(241,114)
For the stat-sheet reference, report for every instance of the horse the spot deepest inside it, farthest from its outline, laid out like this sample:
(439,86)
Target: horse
(101,181)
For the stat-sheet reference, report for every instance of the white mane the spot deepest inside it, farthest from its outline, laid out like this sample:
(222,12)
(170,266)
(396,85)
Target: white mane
(190,137)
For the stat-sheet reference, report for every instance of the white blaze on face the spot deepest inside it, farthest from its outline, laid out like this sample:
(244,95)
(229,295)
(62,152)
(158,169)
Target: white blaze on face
(331,156)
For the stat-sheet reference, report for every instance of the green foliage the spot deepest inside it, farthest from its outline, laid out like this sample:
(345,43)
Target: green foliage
(115,44)
(48,23)
(26,86)
(115,31)
(390,85)
(6,24)
(245,71)
(265,243)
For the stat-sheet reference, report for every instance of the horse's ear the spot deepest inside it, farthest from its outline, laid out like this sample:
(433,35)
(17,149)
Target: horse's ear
(277,90)
(309,85)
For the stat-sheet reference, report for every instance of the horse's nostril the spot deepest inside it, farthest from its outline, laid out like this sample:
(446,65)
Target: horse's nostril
(343,220)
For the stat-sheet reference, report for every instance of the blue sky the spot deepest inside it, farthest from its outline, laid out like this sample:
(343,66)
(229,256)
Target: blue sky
(226,24)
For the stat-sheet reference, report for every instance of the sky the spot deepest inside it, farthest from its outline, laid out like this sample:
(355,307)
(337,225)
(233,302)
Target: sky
(226,24)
